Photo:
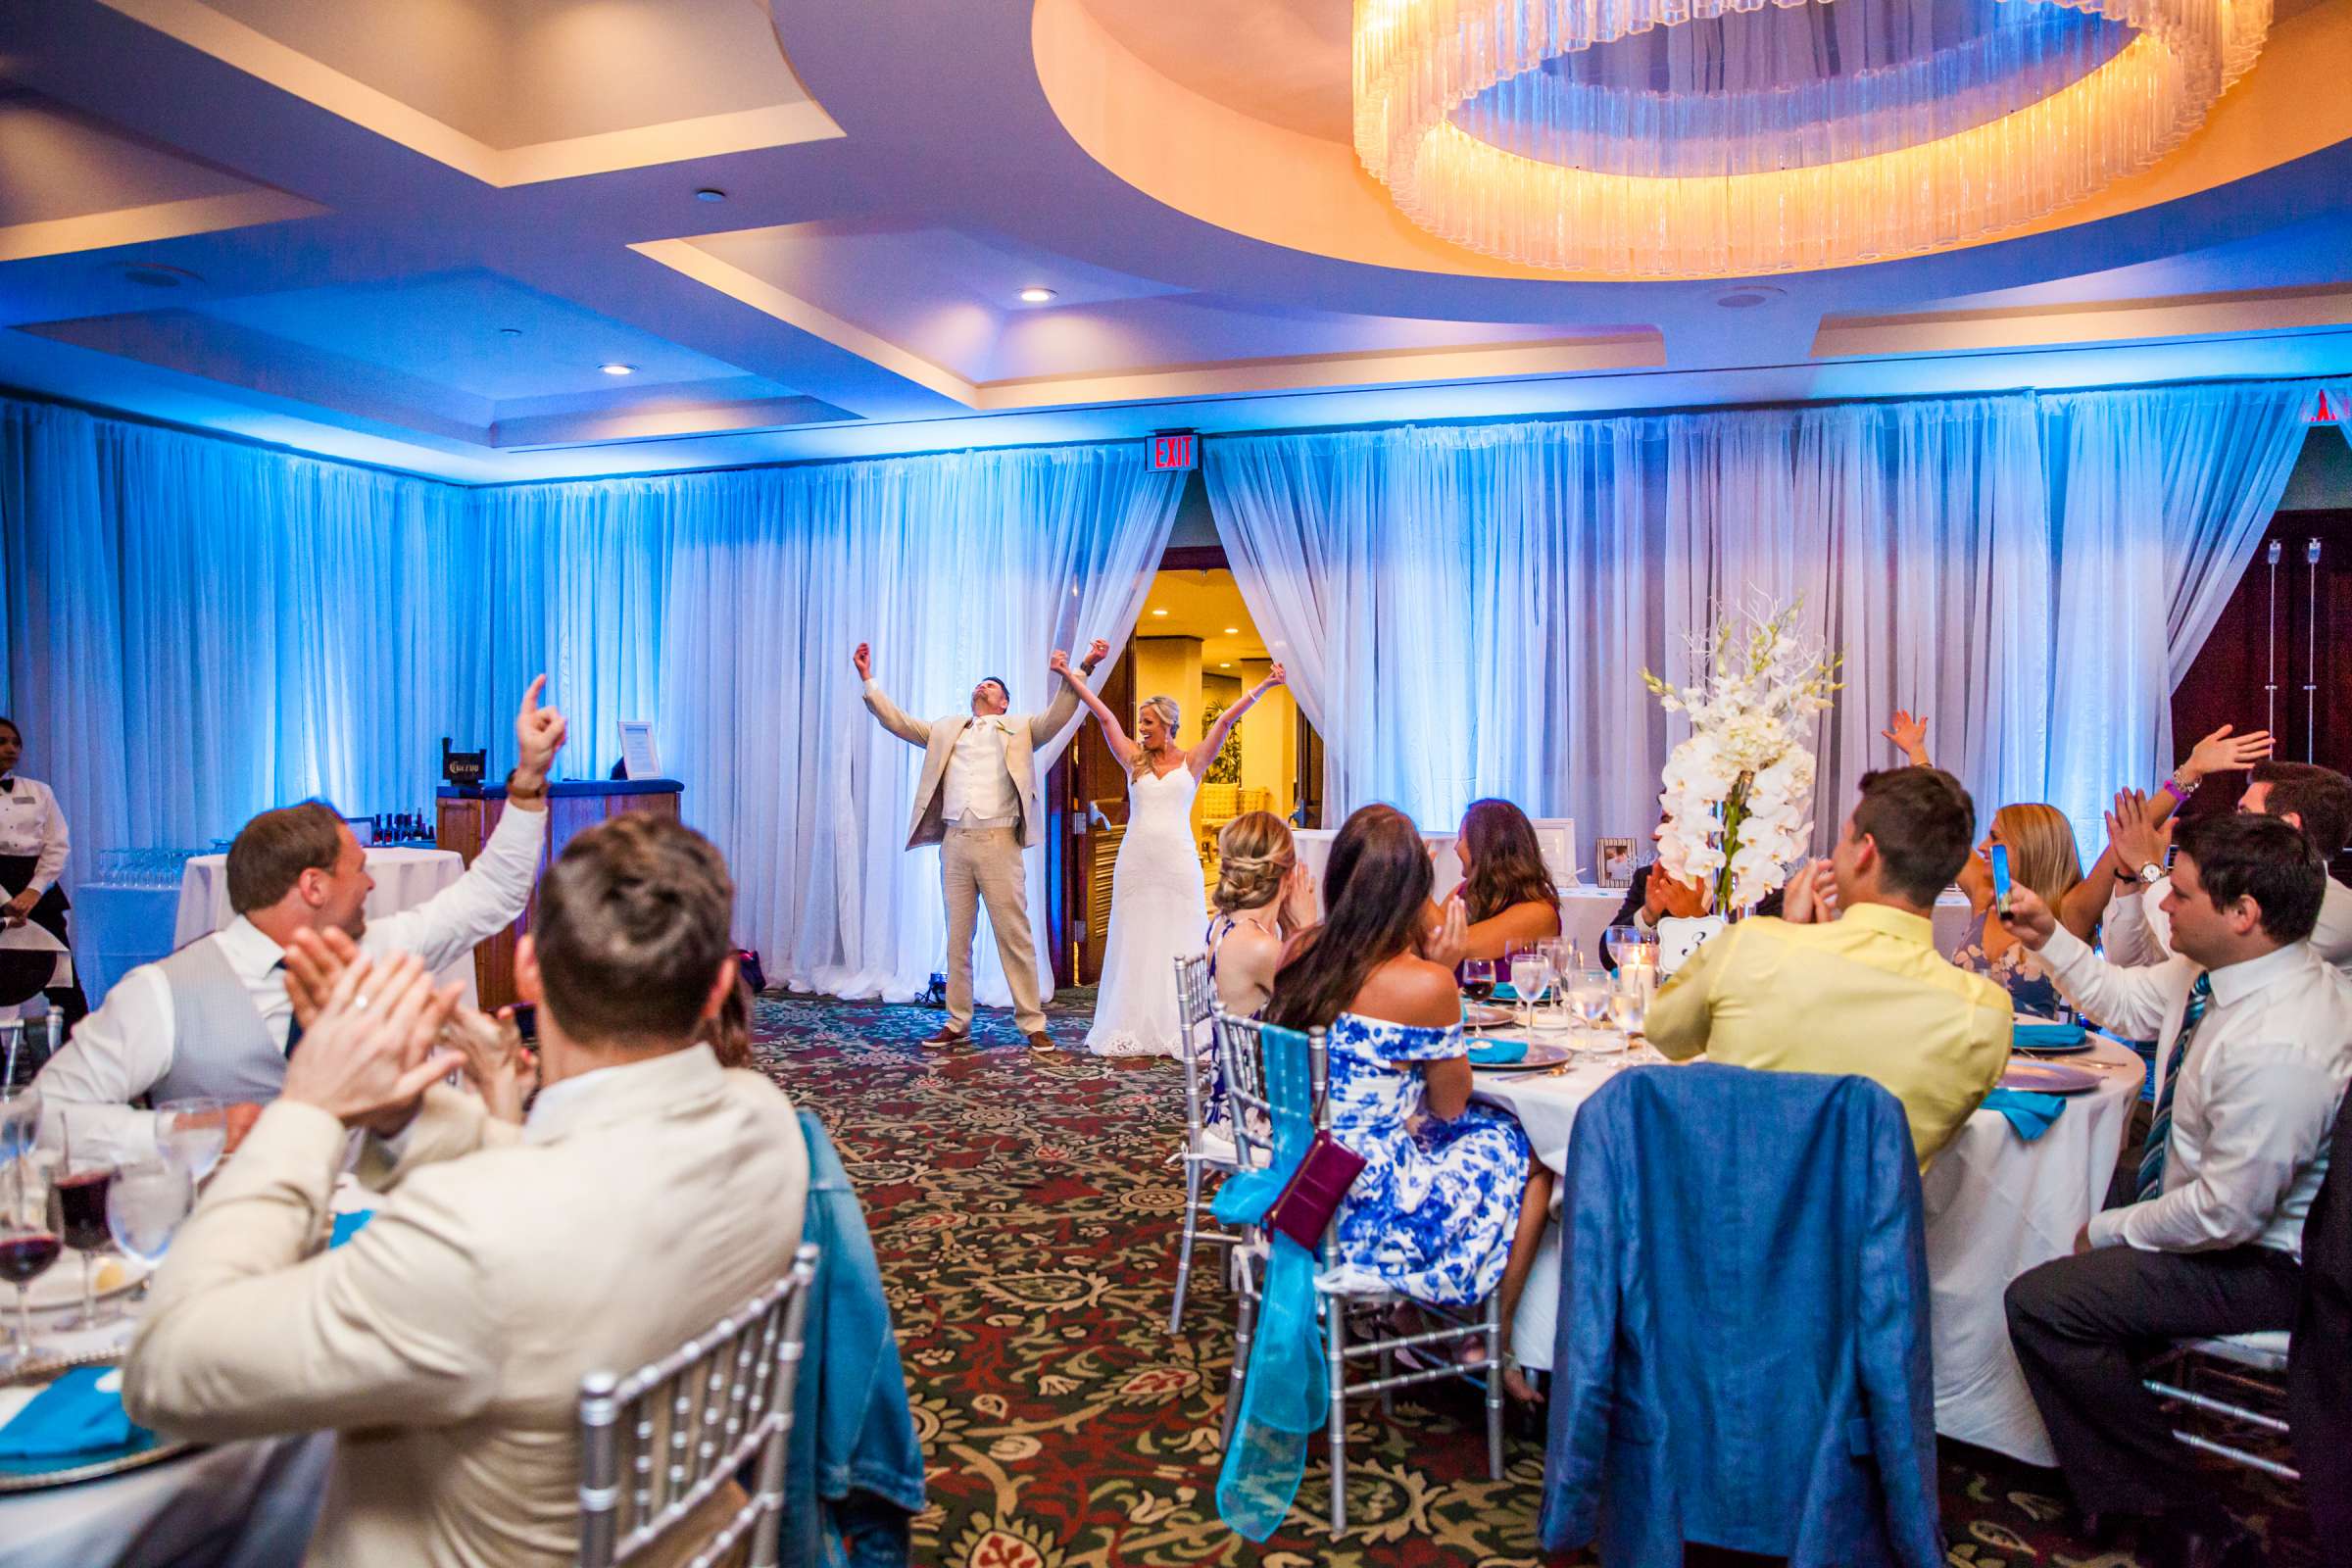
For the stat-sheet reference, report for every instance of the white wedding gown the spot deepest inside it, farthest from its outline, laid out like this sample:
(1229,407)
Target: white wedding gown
(1158,914)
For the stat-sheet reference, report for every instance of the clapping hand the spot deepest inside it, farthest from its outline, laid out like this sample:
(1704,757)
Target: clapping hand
(1812,898)
(315,960)
(862,657)
(1909,733)
(370,1056)
(1298,898)
(2223,752)
(499,1065)
(1058,663)
(2132,837)
(1666,894)
(1449,940)
(538,735)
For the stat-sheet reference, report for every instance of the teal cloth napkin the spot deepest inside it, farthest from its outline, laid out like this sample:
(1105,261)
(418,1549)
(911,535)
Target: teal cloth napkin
(73,1415)
(2029,1114)
(1505,991)
(2046,1036)
(347,1226)
(1497,1052)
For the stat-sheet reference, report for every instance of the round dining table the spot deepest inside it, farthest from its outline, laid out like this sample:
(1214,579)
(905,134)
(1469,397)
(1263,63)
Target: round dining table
(1994,1205)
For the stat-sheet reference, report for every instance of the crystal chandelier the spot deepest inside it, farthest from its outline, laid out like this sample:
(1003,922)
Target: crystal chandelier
(1698,138)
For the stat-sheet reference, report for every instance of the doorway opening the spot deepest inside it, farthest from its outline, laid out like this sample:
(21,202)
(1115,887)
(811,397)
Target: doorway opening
(1196,643)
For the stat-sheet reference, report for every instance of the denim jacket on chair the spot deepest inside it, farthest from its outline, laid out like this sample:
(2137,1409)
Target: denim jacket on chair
(853,1472)
(1742,1354)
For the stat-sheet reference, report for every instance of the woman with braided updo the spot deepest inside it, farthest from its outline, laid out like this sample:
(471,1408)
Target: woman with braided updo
(1263,898)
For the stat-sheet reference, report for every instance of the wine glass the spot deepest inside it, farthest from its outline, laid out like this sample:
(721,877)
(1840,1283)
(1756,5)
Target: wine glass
(1530,975)
(144,1205)
(193,1134)
(1589,995)
(1629,1004)
(1478,978)
(28,1244)
(78,1212)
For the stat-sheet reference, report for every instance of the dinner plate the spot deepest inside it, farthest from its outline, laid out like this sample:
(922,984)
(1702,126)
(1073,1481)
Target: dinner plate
(1485,1015)
(31,1475)
(59,1285)
(1540,1057)
(2049,1077)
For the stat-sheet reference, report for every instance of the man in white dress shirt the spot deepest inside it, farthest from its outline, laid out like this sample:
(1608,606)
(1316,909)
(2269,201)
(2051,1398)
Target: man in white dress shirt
(977,800)
(2255,1046)
(34,847)
(213,1019)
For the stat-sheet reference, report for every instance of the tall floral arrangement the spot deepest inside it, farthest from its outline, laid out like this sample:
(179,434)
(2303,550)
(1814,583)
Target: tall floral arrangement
(1737,789)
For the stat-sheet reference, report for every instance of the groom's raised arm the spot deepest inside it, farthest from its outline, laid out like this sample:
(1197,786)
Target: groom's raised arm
(1064,705)
(913,731)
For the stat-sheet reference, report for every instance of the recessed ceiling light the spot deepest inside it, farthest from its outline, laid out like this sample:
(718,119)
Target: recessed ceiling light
(1224,664)
(616,367)
(709,193)
(1159,612)
(1232,631)
(1036,294)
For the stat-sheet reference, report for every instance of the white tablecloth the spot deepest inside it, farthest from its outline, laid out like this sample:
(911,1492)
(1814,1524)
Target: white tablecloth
(115,929)
(1995,1207)
(404,879)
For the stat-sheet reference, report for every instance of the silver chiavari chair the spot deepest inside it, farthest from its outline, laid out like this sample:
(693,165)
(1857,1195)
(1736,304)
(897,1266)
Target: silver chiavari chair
(1240,1043)
(1206,1153)
(2225,1377)
(657,1444)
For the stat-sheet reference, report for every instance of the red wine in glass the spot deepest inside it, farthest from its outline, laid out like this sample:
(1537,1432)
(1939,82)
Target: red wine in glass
(24,1257)
(82,1209)
(1479,990)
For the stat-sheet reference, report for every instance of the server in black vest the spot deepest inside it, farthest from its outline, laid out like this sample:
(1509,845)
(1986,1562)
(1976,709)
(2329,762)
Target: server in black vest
(33,846)
(214,1020)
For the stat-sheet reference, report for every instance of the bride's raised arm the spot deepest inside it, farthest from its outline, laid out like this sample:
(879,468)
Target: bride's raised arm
(1200,756)
(1112,731)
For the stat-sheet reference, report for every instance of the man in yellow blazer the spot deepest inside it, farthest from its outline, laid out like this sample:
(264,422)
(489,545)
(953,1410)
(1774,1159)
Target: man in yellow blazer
(648,1193)
(977,800)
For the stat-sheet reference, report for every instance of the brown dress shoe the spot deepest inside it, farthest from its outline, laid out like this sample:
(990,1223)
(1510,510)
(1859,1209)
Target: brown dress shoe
(946,1035)
(1040,1041)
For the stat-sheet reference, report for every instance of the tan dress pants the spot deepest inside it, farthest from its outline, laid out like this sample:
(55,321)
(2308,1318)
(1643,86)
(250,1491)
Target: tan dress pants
(985,864)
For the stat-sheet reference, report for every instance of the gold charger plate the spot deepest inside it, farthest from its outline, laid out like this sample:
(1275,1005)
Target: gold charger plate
(25,1475)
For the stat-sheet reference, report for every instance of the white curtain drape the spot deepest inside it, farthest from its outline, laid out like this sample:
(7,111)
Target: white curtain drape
(198,630)
(1466,609)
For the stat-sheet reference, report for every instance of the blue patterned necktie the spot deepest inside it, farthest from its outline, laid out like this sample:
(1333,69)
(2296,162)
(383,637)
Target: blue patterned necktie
(2160,1127)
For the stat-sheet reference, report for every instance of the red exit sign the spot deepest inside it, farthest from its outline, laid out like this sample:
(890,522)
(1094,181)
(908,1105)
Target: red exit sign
(1179,450)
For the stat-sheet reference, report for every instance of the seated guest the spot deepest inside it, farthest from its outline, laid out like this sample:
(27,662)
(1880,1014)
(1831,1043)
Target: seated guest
(2257,1047)
(1449,1207)
(1264,897)
(1863,993)
(1655,896)
(2316,800)
(213,1018)
(1507,891)
(2040,844)
(445,1342)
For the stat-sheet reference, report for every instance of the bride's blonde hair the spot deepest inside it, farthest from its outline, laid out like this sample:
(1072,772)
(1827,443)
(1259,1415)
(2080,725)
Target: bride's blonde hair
(1254,853)
(1170,716)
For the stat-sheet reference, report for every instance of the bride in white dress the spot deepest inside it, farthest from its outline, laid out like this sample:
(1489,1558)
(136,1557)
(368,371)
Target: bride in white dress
(1158,905)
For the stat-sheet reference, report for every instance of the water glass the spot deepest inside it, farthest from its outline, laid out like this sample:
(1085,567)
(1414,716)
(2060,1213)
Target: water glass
(1589,995)
(28,1244)
(1628,1003)
(1630,945)
(1530,976)
(144,1205)
(192,1134)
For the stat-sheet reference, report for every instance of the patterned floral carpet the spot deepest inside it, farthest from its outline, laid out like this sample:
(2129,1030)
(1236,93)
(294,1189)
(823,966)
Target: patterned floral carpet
(1023,1210)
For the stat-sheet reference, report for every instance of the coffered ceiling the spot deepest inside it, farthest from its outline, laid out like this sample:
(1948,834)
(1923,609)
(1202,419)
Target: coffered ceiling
(414,233)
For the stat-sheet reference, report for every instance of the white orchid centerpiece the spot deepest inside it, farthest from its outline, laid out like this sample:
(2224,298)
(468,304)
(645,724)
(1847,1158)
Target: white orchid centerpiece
(1738,788)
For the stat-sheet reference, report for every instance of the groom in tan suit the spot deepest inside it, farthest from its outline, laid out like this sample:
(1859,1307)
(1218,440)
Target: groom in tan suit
(977,800)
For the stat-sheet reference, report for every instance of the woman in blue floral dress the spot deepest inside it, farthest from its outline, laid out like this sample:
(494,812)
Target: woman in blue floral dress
(1449,1207)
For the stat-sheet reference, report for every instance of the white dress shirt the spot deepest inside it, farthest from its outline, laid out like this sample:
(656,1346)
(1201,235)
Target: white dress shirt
(2137,930)
(120,1051)
(2257,1096)
(977,791)
(31,824)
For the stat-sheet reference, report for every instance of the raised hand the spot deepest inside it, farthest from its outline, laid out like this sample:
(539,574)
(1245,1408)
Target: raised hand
(369,1056)
(2223,752)
(1276,676)
(539,734)
(1058,663)
(1909,733)
(862,657)
(2132,837)
(1095,651)
(2028,918)
(498,1064)
(1451,939)
(1665,893)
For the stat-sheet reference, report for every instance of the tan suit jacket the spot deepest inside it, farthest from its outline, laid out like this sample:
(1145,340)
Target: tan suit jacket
(446,1341)
(1023,734)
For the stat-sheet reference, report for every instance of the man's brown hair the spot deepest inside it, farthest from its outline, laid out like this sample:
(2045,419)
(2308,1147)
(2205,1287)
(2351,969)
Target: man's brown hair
(275,849)
(1922,822)
(634,923)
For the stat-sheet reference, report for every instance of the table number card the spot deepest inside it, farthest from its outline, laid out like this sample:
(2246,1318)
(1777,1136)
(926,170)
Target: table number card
(637,759)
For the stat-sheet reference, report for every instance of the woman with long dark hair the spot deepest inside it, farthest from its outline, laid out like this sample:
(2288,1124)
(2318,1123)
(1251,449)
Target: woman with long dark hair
(1449,1207)
(1507,891)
